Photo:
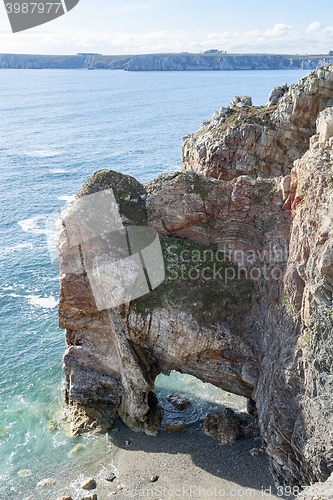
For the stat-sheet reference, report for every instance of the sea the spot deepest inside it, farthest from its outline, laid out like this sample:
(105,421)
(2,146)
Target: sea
(57,128)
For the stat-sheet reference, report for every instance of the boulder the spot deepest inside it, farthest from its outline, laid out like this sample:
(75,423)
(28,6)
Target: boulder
(88,484)
(275,95)
(175,426)
(224,427)
(180,402)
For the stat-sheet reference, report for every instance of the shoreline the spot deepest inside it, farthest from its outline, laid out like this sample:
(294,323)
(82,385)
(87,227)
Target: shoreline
(184,61)
(188,465)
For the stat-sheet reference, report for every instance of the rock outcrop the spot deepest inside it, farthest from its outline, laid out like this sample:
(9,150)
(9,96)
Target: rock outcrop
(246,303)
(262,140)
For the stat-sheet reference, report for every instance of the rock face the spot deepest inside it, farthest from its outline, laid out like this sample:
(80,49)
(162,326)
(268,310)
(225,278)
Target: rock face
(263,140)
(164,62)
(246,303)
(209,61)
(318,491)
(276,94)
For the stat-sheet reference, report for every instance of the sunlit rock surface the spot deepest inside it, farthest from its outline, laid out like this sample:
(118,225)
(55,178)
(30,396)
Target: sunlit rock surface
(246,303)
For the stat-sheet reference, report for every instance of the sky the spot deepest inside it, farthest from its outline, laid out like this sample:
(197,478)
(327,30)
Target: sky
(113,27)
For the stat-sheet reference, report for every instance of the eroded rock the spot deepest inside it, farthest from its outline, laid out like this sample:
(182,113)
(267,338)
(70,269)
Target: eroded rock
(264,140)
(88,484)
(224,427)
(325,125)
(275,95)
(246,303)
(180,402)
(318,491)
(45,483)
(175,426)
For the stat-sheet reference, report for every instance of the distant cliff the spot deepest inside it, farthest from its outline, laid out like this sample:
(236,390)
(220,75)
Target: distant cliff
(165,62)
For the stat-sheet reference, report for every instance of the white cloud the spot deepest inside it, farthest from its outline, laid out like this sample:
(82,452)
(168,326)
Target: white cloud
(314,27)
(315,39)
(279,30)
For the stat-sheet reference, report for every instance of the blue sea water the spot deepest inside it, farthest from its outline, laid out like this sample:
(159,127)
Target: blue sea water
(57,128)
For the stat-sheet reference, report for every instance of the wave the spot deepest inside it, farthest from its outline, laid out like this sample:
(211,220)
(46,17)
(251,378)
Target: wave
(66,198)
(43,153)
(16,248)
(45,302)
(36,300)
(32,225)
(59,171)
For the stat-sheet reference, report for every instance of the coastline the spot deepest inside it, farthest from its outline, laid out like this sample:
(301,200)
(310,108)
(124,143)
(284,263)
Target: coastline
(188,464)
(166,62)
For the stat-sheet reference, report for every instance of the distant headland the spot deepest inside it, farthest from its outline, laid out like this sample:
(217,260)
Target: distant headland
(209,60)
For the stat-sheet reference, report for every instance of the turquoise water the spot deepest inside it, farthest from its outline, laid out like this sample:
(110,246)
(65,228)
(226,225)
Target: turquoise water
(58,127)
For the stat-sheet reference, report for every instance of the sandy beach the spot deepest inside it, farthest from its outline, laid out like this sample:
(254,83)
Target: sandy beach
(189,465)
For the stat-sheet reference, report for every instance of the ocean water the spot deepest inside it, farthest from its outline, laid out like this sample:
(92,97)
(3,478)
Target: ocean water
(57,128)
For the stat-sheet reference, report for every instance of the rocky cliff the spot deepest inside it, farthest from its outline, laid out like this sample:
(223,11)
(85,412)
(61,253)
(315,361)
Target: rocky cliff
(246,303)
(165,62)
(197,62)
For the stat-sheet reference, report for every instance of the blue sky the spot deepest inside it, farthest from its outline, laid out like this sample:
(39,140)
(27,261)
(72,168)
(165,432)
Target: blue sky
(146,26)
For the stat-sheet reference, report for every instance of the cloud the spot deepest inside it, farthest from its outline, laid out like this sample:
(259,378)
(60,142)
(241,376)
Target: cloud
(281,38)
(279,30)
(314,27)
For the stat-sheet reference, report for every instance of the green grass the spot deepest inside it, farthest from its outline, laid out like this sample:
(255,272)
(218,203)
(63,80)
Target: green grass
(206,299)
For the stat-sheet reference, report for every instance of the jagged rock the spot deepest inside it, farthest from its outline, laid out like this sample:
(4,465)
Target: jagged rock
(251,407)
(275,95)
(178,401)
(64,498)
(175,426)
(88,484)
(318,491)
(247,300)
(45,483)
(325,125)
(228,426)
(224,427)
(268,139)
(241,101)
(111,477)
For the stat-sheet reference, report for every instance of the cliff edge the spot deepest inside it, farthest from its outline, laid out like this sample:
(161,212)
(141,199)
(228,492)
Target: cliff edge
(246,303)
